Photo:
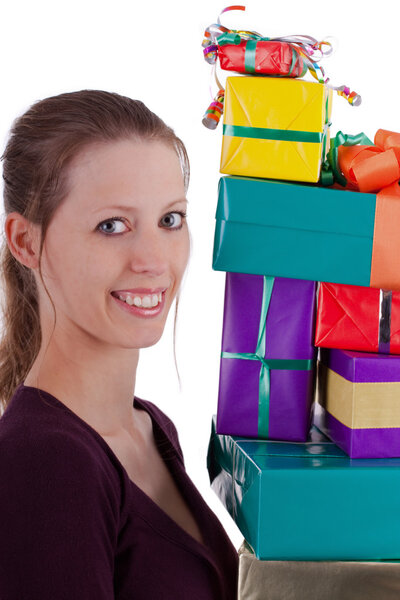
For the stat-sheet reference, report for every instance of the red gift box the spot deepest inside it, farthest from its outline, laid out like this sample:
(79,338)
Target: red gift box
(271,58)
(351,317)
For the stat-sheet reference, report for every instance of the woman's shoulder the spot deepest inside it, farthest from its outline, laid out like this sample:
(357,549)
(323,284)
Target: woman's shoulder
(38,436)
(61,508)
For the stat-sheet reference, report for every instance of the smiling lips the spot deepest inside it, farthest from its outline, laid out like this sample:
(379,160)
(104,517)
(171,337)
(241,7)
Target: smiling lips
(141,298)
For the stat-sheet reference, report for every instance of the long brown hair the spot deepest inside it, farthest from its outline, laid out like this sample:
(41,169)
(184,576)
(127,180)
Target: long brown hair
(42,143)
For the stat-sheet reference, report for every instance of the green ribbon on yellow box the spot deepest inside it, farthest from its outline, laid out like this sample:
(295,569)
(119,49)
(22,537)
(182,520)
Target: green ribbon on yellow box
(284,135)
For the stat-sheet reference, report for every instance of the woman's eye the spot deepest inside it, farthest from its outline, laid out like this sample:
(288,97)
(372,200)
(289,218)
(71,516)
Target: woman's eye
(173,220)
(109,225)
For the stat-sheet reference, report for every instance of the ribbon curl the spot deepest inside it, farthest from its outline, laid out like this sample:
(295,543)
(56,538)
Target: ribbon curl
(310,49)
(306,53)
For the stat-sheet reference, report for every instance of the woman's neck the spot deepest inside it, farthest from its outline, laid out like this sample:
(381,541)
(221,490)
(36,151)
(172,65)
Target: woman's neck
(98,386)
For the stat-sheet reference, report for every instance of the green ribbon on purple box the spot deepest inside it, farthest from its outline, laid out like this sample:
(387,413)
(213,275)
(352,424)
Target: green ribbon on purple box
(267,363)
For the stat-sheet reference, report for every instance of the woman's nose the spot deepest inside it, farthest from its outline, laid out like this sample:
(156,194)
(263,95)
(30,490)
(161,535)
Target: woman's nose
(150,253)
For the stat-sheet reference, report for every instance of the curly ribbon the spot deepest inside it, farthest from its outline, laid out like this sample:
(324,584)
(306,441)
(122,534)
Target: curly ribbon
(351,97)
(267,363)
(214,112)
(310,49)
(306,52)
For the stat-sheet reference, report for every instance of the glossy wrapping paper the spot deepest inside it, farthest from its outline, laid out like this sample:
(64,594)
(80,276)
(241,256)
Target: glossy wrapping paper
(266,58)
(307,501)
(321,580)
(306,232)
(370,168)
(351,317)
(358,402)
(257,398)
(275,127)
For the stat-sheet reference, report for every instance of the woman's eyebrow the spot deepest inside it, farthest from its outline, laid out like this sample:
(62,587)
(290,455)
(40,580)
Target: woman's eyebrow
(128,208)
(176,202)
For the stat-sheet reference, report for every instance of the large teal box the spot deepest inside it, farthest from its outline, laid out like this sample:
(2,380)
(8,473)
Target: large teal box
(307,501)
(294,230)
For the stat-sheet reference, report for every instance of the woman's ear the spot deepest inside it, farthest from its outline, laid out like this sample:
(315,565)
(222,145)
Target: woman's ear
(23,239)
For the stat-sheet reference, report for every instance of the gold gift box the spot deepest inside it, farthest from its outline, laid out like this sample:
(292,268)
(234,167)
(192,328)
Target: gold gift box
(275,128)
(322,580)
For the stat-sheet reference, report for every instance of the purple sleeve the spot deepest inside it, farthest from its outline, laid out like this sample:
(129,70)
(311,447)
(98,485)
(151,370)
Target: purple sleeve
(59,512)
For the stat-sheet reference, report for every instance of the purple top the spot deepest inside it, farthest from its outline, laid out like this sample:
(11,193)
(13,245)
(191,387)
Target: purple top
(362,367)
(73,525)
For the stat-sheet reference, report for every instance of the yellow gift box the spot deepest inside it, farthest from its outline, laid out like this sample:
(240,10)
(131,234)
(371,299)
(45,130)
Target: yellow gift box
(275,128)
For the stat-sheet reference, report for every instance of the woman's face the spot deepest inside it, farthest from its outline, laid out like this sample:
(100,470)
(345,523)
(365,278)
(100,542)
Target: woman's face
(117,247)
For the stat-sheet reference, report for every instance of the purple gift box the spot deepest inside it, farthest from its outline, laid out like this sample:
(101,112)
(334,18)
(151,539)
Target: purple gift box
(358,402)
(267,370)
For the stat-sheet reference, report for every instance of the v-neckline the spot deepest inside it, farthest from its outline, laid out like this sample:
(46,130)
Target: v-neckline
(176,472)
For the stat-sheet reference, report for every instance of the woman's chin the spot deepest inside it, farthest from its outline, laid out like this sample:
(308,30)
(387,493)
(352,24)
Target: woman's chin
(146,341)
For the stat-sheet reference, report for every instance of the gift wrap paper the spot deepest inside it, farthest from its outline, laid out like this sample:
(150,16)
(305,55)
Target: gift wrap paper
(358,402)
(351,317)
(307,232)
(307,501)
(264,57)
(275,127)
(322,580)
(267,370)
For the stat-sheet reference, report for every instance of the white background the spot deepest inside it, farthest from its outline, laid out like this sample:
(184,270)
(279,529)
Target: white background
(153,52)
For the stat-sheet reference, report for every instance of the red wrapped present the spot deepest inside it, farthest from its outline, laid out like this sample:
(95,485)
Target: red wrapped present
(263,57)
(350,317)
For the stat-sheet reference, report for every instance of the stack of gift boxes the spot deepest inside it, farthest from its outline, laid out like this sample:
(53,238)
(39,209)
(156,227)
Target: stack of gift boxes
(305,448)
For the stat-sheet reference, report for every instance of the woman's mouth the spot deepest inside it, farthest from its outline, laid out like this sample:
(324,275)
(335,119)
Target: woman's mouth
(140,304)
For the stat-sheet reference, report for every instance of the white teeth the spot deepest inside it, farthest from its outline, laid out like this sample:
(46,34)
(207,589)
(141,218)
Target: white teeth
(146,302)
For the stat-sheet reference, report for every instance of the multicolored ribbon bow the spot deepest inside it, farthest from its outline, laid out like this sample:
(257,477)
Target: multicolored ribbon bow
(306,53)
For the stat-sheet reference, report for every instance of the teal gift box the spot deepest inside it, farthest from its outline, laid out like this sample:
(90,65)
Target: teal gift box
(304,232)
(307,501)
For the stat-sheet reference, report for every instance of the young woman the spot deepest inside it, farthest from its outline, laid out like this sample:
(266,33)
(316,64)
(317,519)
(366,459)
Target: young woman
(95,502)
